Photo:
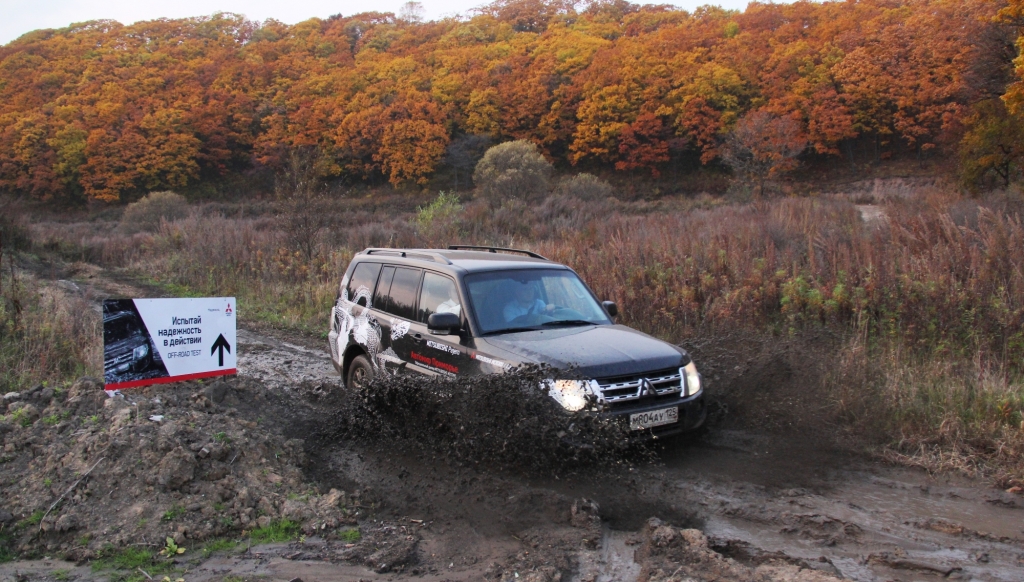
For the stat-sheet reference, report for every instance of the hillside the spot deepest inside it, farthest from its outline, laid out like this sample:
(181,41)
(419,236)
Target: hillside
(102,111)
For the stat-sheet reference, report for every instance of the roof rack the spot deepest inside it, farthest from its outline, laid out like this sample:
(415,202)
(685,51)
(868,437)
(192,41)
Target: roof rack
(417,254)
(496,250)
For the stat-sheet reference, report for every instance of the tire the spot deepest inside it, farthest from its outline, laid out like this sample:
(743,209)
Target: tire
(360,373)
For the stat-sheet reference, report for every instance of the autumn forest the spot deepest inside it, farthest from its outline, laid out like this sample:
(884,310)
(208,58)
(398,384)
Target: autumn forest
(106,112)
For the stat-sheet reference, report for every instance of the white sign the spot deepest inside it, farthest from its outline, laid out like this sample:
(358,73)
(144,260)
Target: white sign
(152,341)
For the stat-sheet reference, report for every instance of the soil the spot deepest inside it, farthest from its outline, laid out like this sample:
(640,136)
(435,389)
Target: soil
(766,492)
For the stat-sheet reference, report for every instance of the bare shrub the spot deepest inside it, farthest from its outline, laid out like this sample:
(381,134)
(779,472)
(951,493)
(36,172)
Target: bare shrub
(584,186)
(514,169)
(302,202)
(146,214)
(763,146)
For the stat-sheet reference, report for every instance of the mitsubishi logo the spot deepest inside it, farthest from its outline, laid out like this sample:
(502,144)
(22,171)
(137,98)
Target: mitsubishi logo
(646,388)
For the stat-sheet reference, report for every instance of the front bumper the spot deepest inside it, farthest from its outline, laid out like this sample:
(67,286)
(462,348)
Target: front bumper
(692,413)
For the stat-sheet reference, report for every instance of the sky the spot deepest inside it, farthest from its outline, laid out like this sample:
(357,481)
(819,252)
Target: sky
(21,16)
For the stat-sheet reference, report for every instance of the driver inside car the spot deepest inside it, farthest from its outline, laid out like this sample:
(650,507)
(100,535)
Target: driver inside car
(524,302)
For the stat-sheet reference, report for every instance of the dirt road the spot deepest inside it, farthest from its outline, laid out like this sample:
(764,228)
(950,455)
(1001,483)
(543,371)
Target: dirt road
(739,503)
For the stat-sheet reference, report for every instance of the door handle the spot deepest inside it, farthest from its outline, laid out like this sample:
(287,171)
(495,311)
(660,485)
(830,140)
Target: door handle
(417,337)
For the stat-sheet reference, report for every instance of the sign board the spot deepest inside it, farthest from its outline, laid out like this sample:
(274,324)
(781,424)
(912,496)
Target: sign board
(153,341)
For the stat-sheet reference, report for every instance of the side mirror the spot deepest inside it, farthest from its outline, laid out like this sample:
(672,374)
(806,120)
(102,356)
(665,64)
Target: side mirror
(610,307)
(444,324)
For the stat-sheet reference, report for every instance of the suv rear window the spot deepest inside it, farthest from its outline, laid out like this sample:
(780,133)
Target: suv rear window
(360,286)
(401,299)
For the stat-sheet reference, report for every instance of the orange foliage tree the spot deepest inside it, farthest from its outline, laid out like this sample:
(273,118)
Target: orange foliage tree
(102,111)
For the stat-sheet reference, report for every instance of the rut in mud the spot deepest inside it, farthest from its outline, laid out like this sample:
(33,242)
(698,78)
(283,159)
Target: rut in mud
(446,484)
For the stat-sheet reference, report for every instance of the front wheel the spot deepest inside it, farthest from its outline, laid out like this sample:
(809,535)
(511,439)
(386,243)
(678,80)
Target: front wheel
(360,373)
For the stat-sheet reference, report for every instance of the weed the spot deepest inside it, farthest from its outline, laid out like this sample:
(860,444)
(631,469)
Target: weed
(47,482)
(62,575)
(173,513)
(21,417)
(220,545)
(350,535)
(277,531)
(171,549)
(126,564)
(221,437)
(218,506)
(34,519)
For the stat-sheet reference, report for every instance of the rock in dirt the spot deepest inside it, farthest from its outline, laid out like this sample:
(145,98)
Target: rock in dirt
(584,513)
(67,522)
(86,395)
(177,468)
(216,392)
(6,517)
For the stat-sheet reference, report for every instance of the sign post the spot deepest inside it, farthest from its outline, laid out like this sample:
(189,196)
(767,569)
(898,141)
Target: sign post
(154,341)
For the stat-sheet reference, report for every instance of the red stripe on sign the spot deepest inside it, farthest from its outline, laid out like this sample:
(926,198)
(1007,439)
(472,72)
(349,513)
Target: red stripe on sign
(168,379)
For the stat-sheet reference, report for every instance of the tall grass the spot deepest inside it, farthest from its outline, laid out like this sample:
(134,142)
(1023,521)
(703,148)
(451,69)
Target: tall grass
(46,335)
(932,295)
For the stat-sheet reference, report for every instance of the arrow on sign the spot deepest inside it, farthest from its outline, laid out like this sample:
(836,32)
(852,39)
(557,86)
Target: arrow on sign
(220,345)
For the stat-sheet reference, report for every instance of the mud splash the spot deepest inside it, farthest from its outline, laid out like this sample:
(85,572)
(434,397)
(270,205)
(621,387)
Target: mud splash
(503,422)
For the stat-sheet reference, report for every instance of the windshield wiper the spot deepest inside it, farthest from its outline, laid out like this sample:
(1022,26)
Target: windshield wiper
(510,330)
(567,322)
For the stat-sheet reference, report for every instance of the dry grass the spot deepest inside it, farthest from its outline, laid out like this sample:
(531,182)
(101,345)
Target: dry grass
(46,335)
(932,296)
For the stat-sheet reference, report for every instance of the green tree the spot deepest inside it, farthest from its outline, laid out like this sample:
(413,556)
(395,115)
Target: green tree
(514,169)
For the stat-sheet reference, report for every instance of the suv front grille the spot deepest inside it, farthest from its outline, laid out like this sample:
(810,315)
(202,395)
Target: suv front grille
(620,389)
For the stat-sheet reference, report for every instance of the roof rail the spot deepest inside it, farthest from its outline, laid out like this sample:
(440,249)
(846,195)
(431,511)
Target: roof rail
(414,254)
(495,250)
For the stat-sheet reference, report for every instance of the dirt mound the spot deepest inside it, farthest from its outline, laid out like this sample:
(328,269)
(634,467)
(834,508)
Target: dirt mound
(80,470)
(503,421)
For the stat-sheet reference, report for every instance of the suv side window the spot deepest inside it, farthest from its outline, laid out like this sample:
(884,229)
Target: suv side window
(402,297)
(439,295)
(362,282)
(380,298)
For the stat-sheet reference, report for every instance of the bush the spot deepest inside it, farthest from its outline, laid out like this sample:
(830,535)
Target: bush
(146,214)
(585,187)
(440,219)
(513,169)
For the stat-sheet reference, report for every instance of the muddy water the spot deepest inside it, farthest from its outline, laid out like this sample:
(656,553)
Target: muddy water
(753,495)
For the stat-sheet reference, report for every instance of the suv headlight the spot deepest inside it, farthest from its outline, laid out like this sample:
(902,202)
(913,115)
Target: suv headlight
(140,352)
(571,394)
(690,379)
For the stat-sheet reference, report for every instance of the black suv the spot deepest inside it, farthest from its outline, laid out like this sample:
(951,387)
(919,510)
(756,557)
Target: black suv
(485,310)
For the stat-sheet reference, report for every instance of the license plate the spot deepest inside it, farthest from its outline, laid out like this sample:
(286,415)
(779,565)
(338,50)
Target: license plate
(642,420)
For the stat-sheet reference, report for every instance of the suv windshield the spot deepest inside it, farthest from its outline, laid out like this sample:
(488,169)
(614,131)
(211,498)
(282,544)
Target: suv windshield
(530,299)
